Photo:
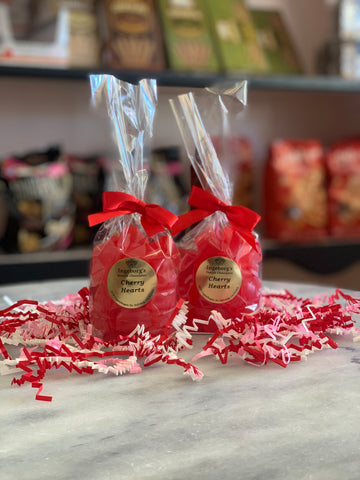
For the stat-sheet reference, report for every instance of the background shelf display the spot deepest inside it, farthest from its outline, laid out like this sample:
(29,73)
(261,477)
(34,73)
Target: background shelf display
(322,258)
(50,105)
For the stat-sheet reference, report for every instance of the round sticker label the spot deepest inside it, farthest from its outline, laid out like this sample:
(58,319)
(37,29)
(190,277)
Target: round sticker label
(218,279)
(131,282)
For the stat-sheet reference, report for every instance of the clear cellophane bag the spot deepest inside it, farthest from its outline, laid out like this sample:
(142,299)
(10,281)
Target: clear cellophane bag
(220,255)
(133,278)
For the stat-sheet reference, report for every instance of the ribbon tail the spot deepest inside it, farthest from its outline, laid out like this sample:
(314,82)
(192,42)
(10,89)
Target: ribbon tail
(157,219)
(151,228)
(96,218)
(248,236)
(188,219)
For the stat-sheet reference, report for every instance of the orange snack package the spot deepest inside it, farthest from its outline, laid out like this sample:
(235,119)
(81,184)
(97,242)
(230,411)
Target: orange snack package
(295,207)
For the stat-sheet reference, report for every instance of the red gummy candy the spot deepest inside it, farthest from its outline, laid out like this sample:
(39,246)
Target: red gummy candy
(111,319)
(211,242)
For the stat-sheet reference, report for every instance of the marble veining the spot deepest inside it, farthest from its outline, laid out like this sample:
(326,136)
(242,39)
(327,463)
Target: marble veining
(239,422)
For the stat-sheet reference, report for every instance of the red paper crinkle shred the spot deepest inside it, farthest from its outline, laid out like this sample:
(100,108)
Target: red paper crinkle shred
(59,334)
(284,329)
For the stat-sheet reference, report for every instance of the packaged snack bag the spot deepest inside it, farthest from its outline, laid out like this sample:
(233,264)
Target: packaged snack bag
(133,279)
(343,164)
(220,257)
(295,191)
(41,211)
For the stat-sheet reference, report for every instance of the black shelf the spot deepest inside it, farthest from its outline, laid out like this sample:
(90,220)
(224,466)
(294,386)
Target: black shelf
(25,267)
(329,256)
(165,78)
(195,79)
(323,258)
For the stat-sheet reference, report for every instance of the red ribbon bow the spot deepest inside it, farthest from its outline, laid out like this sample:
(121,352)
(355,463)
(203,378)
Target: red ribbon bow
(154,218)
(241,218)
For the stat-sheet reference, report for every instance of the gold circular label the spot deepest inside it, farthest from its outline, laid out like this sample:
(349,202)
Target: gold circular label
(131,282)
(218,279)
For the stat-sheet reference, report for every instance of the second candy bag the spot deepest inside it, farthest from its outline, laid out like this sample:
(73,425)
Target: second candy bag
(220,256)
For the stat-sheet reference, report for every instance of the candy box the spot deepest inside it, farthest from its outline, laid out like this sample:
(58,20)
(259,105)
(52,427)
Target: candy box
(275,41)
(131,33)
(187,35)
(235,36)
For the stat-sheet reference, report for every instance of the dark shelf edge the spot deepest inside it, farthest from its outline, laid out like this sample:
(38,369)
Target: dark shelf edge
(165,78)
(322,258)
(18,273)
(305,83)
(194,79)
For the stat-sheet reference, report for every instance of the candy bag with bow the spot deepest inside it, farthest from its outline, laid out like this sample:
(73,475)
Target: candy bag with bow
(220,256)
(133,278)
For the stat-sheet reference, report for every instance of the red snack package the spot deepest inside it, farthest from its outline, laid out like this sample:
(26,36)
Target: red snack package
(135,261)
(343,164)
(220,257)
(295,191)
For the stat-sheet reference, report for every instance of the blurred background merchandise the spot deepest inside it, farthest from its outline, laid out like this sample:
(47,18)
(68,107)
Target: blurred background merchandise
(168,185)
(196,35)
(48,48)
(46,198)
(41,214)
(88,178)
(84,43)
(49,33)
(131,35)
(295,191)
(343,164)
(349,38)
(236,38)
(187,35)
(275,41)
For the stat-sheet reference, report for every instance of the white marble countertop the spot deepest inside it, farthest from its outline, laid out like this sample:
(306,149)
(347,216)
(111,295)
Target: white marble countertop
(239,422)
